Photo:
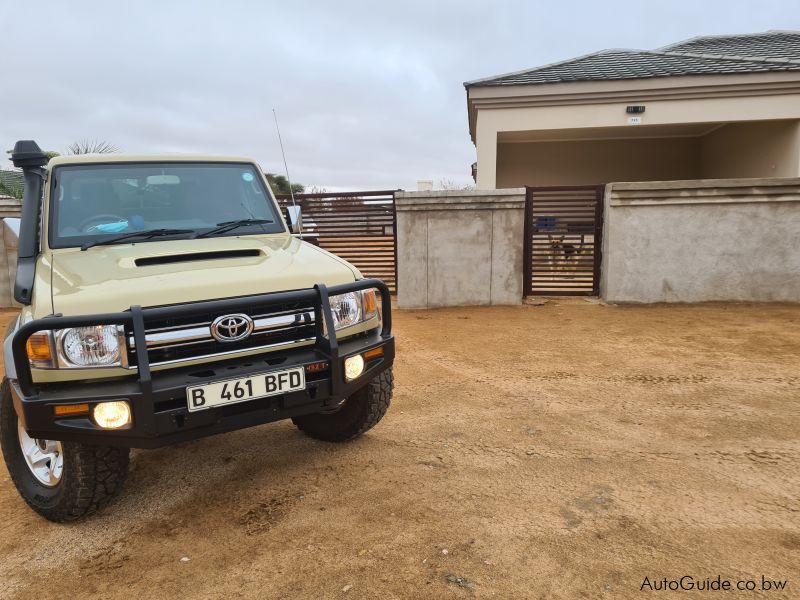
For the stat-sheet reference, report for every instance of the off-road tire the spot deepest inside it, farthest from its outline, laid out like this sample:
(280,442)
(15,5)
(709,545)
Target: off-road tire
(91,478)
(359,413)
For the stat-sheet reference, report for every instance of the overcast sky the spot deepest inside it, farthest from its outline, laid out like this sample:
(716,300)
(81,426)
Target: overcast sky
(369,94)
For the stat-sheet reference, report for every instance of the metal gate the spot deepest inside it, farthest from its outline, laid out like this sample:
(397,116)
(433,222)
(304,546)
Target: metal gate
(357,226)
(563,229)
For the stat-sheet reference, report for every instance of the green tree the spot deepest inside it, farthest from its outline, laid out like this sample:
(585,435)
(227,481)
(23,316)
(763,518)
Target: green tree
(280,185)
(11,184)
(12,181)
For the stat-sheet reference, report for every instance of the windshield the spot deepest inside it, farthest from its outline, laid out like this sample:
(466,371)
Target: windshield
(90,203)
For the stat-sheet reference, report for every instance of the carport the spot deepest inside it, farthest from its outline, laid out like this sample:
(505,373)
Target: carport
(594,155)
(707,108)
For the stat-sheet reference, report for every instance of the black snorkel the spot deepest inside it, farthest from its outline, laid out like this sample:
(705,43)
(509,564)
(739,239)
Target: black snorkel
(29,157)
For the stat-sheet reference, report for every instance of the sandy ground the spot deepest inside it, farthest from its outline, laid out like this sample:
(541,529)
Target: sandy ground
(561,451)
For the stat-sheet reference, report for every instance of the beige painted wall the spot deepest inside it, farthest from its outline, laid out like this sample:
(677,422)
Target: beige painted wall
(700,100)
(763,149)
(588,162)
(734,150)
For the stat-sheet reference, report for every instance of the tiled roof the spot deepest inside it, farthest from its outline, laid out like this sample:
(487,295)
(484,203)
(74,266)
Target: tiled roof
(762,52)
(771,44)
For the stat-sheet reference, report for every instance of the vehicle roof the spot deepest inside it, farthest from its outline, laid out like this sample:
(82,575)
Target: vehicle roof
(74,159)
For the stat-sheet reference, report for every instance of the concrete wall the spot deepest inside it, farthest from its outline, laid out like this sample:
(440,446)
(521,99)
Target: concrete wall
(693,241)
(761,149)
(10,208)
(459,248)
(8,269)
(592,162)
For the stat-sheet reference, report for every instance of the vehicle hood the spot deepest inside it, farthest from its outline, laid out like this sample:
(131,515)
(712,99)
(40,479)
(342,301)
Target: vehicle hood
(113,278)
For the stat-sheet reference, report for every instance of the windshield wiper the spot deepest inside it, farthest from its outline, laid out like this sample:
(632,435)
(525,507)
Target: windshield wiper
(229,225)
(146,234)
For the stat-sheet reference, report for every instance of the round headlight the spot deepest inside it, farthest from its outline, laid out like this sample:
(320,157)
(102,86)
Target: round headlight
(346,309)
(90,346)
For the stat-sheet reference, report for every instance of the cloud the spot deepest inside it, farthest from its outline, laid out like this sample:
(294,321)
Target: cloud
(368,94)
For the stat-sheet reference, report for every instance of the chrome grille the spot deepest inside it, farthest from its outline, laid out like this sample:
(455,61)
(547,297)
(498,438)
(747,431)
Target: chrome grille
(179,340)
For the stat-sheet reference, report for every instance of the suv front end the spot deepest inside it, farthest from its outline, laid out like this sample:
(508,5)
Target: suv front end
(165,299)
(155,391)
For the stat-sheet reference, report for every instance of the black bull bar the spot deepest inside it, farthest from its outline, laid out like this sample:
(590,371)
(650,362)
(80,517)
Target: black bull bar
(135,318)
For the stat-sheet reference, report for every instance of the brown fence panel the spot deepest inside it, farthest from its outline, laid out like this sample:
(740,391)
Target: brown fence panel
(357,226)
(563,229)
(10,207)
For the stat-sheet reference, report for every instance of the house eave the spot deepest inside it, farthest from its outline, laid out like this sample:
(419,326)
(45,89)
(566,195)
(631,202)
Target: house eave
(629,90)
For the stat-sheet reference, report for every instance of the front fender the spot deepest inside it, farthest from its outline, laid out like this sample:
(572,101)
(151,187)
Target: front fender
(8,356)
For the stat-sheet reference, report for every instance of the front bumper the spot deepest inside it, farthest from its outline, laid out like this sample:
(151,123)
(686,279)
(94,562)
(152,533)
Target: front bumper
(158,399)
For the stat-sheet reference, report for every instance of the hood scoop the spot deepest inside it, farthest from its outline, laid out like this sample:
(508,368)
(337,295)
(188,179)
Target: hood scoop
(194,257)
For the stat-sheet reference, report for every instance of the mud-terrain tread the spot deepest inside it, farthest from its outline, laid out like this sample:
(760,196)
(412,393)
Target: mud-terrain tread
(101,474)
(93,475)
(361,412)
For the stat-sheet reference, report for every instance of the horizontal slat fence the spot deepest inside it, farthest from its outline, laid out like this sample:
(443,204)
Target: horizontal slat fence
(10,207)
(356,226)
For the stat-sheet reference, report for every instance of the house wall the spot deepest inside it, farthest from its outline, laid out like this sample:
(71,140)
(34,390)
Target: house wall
(761,149)
(459,248)
(694,241)
(590,105)
(589,162)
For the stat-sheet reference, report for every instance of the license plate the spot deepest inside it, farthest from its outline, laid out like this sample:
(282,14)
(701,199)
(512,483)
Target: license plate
(230,391)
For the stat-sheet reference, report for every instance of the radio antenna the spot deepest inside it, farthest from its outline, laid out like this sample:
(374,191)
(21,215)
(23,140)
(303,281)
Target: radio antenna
(285,166)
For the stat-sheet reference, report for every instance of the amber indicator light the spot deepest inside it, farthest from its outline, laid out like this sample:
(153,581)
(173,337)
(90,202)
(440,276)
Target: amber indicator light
(374,353)
(68,410)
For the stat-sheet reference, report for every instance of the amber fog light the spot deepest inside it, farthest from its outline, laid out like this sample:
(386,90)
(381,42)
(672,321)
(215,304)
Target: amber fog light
(112,415)
(353,367)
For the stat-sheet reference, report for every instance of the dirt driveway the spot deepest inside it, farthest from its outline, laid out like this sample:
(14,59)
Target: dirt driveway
(560,451)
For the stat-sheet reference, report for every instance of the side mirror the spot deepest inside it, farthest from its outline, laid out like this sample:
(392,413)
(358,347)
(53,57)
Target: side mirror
(294,218)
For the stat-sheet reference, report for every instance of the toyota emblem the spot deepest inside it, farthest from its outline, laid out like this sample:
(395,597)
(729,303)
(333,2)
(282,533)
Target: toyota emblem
(231,328)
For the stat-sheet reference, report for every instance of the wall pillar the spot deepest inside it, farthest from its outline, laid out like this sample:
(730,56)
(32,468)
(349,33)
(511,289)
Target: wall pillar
(459,248)
(486,151)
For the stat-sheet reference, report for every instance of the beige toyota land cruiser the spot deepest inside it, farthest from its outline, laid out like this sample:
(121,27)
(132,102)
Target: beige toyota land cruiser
(165,299)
